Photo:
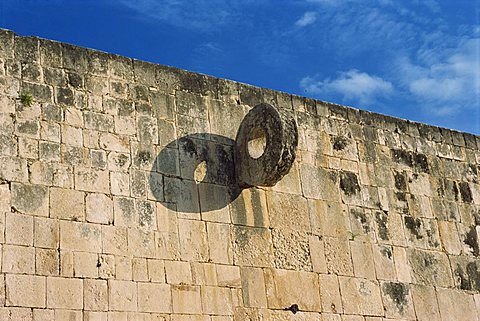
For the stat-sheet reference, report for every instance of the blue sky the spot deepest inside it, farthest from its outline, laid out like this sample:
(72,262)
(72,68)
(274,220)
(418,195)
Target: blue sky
(414,59)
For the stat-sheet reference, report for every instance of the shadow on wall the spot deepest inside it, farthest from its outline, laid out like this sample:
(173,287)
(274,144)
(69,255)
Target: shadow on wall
(195,173)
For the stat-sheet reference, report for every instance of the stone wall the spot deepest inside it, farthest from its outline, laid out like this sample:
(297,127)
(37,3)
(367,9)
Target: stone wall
(118,201)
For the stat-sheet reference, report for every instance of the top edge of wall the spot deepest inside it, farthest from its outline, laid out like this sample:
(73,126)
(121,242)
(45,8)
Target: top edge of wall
(180,79)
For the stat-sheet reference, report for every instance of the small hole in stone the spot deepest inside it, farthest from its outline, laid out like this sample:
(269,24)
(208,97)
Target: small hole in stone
(200,172)
(257,141)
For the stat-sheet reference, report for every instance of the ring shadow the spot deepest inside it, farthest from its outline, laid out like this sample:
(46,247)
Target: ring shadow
(195,173)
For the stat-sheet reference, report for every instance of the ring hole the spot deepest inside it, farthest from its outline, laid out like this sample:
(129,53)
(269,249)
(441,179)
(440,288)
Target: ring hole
(257,141)
(200,172)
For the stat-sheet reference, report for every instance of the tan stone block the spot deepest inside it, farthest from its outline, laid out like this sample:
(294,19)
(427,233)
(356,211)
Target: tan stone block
(361,296)
(64,293)
(456,305)
(141,242)
(43,315)
(362,257)
(19,229)
(79,236)
(122,295)
(288,211)
(47,262)
(220,243)
(330,293)
(67,204)
(123,268)
(228,276)
(156,270)
(352,318)
(193,240)
(337,254)
(216,300)
(285,288)
(85,264)
(95,295)
(46,233)
(106,266)
(290,183)
(186,299)
(331,317)
(203,273)
(253,287)
(66,263)
(178,272)
(425,302)
(5,198)
(397,300)
(70,315)
(15,314)
(115,143)
(72,136)
(190,317)
(120,183)
(253,246)
(25,290)
(328,218)
(449,237)
(154,297)
(73,117)
(92,180)
(430,268)
(95,316)
(18,259)
(99,208)
(317,254)
(125,213)
(210,197)
(29,199)
(384,262)
(114,240)
(402,266)
(250,208)
(139,269)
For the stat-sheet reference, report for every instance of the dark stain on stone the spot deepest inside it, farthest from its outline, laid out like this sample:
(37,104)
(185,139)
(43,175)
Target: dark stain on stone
(257,208)
(400,181)
(382,222)
(189,146)
(455,190)
(414,226)
(349,183)
(362,218)
(401,196)
(386,252)
(398,293)
(402,157)
(339,143)
(472,241)
(143,157)
(465,192)
(421,162)
(468,278)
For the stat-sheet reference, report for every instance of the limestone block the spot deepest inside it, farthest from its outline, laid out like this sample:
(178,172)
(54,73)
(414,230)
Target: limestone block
(430,268)
(43,314)
(253,287)
(193,240)
(120,183)
(361,296)
(95,295)
(19,229)
(285,288)
(122,295)
(156,270)
(328,218)
(27,148)
(147,217)
(27,128)
(98,208)
(123,268)
(139,269)
(178,272)
(66,263)
(250,208)
(317,254)
(92,180)
(153,297)
(97,121)
(338,257)
(67,204)
(217,300)
(29,199)
(18,259)
(402,265)
(362,257)
(72,136)
(204,273)
(95,316)
(383,260)
(106,266)
(318,183)
(14,314)
(114,240)
(456,305)
(291,249)
(287,211)
(124,212)
(330,293)
(220,243)
(47,262)
(85,264)
(25,290)
(425,302)
(397,300)
(186,299)
(212,196)
(141,242)
(70,315)
(361,224)
(78,236)
(252,246)
(449,237)
(389,228)
(14,169)
(118,161)
(5,198)
(228,276)
(64,293)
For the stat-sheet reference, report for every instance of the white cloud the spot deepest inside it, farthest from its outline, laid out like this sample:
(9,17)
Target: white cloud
(448,86)
(307,19)
(353,85)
